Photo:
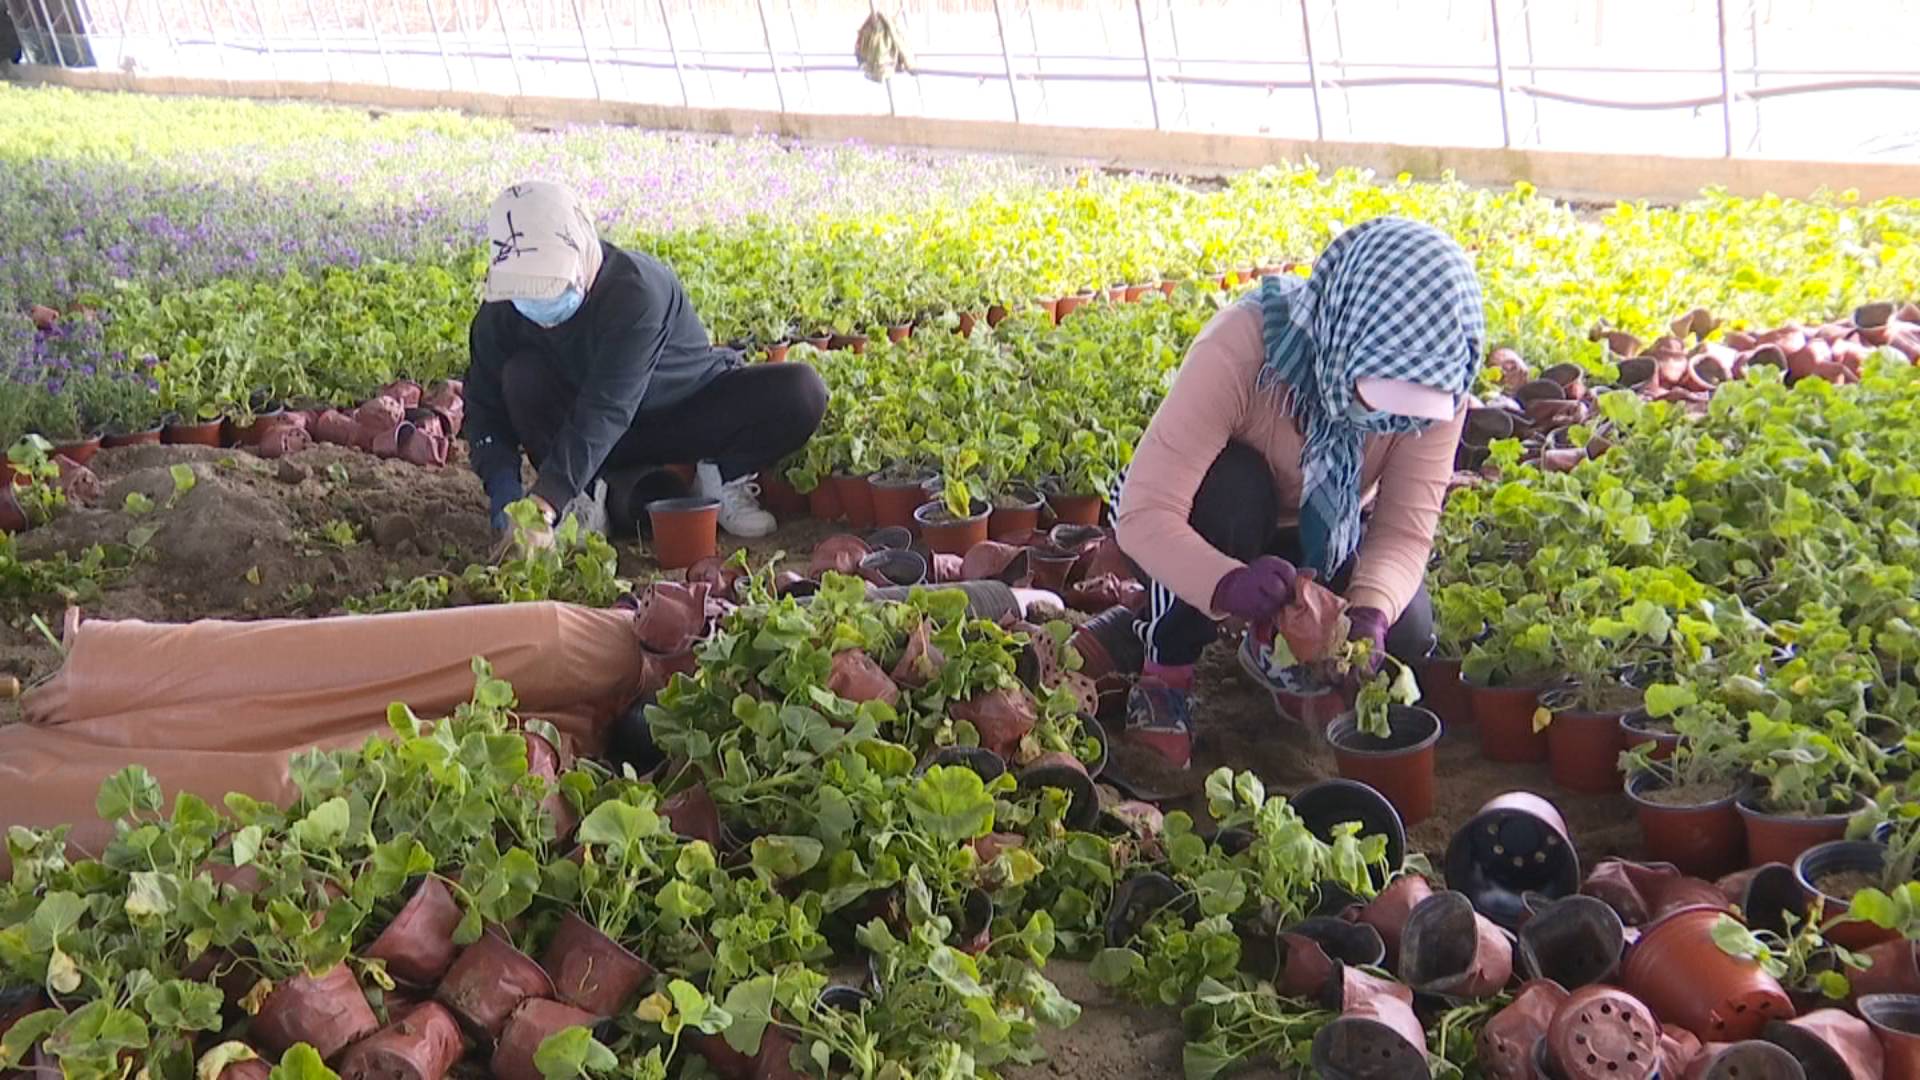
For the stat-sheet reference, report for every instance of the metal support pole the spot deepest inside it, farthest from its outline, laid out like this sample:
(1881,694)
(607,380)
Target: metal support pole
(1313,74)
(326,54)
(466,40)
(679,73)
(219,48)
(1340,65)
(700,43)
(1006,58)
(581,25)
(1039,66)
(1146,53)
(446,62)
(53,35)
(1753,41)
(1533,75)
(513,55)
(166,27)
(766,32)
(1726,80)
(273,63)
(806,80)
(1179,64)
(1500,77)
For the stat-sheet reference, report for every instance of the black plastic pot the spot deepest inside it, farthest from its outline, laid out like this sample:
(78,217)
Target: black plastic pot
(1575,942)
(630,741)
(1069,774)
(894,567)
(1516,844)
(1329,803)
(1347,942)
(1450,949)
(1772,894)
(982,761)
(1138,899)
(1752,1060)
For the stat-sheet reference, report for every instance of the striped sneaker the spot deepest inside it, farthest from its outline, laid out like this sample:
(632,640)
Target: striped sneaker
(1160,718)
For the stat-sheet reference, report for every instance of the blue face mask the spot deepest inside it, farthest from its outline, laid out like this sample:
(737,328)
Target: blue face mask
(551,313)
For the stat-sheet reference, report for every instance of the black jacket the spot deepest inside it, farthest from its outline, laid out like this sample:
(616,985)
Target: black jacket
(635,346)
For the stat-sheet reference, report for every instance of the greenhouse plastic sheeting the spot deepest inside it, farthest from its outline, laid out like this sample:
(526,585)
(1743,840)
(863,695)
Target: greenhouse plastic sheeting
(212,707)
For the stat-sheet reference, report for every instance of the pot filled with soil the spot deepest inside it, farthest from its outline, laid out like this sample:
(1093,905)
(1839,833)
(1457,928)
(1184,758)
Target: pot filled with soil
(1834,872)
(1689,981)
(1638,729)
(1442,691)
(685,530)
(823,502)
(1777,837)
(896,494)
(1583,746)
(1895,1020)
(1075,509)
(1515,846)
(116,440)
(856,499)
(327,1012)
(533,1020)
(422,1045)
(1016,514)
(192,432)
(1398,765)
(488,981)
(591,970)
(418,944)
(79,451)
(1504,715)
(948,534)
(778,494)
(1695,826)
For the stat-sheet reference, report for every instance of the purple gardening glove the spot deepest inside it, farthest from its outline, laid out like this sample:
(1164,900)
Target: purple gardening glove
(1370,625)
(1257,591)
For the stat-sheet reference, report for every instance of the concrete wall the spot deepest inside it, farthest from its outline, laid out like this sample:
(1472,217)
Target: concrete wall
(1581,176)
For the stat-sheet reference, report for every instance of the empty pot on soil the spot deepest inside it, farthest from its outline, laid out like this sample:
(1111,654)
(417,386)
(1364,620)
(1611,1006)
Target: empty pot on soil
(1450,949)
(1327,804)
(1601,1033)
(1069,774)
(1390,909)
(327,1012)
(692,814)
(422,1045)
(856,677)
(1690,982)
(531,1023)
(1505,1045)
(1001,717)
(1515,845)
(684,530)
(1573,942)
(840,554)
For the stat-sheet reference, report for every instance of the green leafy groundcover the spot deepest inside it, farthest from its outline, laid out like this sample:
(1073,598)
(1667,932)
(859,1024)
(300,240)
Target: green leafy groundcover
(839,849)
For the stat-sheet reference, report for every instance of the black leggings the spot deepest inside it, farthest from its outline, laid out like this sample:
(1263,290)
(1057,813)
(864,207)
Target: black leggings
(1234,510)
(745,420)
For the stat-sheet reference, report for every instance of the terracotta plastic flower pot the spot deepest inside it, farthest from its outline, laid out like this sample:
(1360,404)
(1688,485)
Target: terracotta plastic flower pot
(991,560)
(777,354)
(185,433)
(1690,982)
(1504,715)
(78,451)
(1380,1039)
(1452,950)
(1015,517)
(684,530)
(1747,1060)
(13,516)
(856,677)
(1707,840)
(823,502)
(1399,766)
(418,944)
(1108,645)
(327,1012)
(149,437)
(1583,752)
(1067,305)
(1861,860)
(1783,837)
(841,554)
(1076,509)
(1442,691)
(422,1045)
(1390,909)
(1766,895)
(1635,731)
(1517,844)
(1325,805)
(1830,1044)
(1895,1020)
(1138,899)
(488,981)
(946,535)
(1504,1046)
(533,1020)
(894,501)
(1893,968)
(777,494)
(1602,1033)
(895,567)
(968,320)
(855,342)
(921,661)
(591,970)
(1001,717)
(1069,774)
(1573,941)
(856,499)
(984,763)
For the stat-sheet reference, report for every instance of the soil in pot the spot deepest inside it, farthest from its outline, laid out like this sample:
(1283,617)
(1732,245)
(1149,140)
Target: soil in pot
(946,534)
(1695,827)
(418,944)
(531,1023)
(1895,1019)
(856,499)
(1516,846)
(684,530)
(488,981)
(327,1012)
(1637,728)
(1689,981)
(895,498)
(1835,871)
(1399,766)
(1015,517)
(1504,715)
(192,433)
(591,970)
(1783,837)
(423,1045)
(1076,509)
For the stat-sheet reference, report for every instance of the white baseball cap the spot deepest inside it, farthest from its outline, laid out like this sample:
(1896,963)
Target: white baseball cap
(1403,398)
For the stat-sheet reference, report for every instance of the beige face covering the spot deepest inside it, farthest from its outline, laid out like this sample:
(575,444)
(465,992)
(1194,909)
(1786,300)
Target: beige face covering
(540,239)
(1403,398)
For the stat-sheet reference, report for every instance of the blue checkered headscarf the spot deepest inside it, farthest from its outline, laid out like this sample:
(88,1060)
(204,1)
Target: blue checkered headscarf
(1388,299)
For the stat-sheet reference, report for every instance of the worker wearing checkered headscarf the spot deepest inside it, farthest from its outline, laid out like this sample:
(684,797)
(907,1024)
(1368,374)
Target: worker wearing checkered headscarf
(1393,302)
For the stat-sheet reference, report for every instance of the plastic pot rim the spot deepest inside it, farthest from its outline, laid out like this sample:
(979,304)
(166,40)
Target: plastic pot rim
(1634,783)
(682,504)
(1346,722)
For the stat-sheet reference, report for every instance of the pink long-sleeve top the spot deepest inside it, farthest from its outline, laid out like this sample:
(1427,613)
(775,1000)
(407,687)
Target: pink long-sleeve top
(1214,400)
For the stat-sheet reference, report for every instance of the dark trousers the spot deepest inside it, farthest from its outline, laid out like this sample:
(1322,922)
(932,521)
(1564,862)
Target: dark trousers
(745,420)
(1234,510)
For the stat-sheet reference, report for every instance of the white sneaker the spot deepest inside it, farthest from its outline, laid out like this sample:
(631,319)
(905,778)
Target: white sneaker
(740,512)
